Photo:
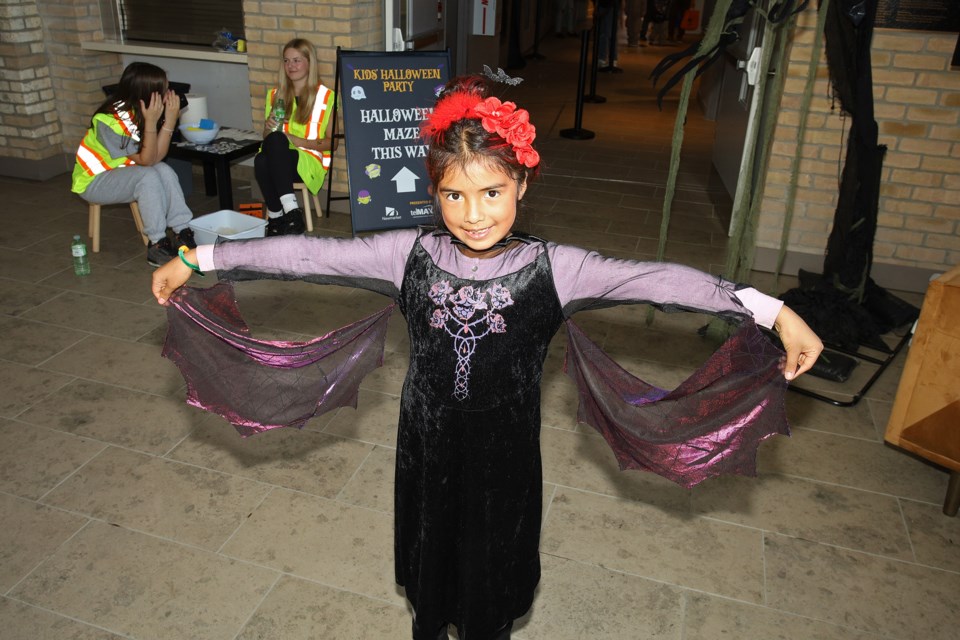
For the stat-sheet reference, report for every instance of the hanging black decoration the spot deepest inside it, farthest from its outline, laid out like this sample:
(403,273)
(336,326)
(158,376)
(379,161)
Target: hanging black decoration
(844,306)
(700,60)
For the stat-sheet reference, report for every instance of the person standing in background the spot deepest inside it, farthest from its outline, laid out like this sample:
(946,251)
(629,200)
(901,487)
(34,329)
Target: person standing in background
(675,19)
(606,16)
(636,9)
(658,22)
(564,18)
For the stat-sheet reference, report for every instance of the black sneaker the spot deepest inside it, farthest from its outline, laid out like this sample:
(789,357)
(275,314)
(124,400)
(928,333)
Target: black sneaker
(160,253)
(185,237)
(294,223)
(275,225)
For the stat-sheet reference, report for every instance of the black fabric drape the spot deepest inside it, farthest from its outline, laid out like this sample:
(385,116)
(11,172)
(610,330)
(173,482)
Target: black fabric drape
(844,306)
(849,257)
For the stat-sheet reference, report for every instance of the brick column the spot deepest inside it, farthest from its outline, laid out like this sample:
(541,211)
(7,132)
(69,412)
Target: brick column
(48,86)
(29,127)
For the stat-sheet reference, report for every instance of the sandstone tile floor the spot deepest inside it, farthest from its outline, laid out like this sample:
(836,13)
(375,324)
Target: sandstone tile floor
(127,514)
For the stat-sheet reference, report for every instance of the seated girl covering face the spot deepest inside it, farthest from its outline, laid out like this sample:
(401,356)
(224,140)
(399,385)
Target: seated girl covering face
(120,158)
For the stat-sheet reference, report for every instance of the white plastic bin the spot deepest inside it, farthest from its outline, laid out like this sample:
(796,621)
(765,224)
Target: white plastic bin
(228,224)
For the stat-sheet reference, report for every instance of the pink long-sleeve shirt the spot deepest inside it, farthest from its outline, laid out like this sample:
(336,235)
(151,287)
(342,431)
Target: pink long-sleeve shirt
(583,279)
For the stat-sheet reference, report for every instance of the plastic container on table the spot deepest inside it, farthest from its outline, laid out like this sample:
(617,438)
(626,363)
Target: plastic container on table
(227,224)
(203,133)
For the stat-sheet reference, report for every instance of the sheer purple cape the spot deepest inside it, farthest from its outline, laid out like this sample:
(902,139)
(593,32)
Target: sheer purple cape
(711,424)
(258,384)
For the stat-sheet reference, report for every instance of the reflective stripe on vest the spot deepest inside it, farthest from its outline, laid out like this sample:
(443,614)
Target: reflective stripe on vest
(322,156)
(90,152)
(319,106)
(91,161)
(310,130)
(126,122)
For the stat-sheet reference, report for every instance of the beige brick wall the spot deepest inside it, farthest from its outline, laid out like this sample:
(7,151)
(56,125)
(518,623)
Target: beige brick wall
(76,75)
(917,105)
(51,86)
(29,125)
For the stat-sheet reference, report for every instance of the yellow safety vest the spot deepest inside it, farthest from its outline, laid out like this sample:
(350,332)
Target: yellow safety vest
(93,158)
(312,165)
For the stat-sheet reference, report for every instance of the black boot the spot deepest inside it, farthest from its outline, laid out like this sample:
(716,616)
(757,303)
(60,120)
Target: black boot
(275,226)
(294,223)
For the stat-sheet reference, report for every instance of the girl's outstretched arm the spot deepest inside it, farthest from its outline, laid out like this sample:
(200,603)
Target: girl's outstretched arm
(171,276)
(801,343)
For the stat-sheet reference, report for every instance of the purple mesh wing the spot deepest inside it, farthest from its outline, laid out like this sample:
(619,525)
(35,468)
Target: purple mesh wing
(711,424)
(259,385)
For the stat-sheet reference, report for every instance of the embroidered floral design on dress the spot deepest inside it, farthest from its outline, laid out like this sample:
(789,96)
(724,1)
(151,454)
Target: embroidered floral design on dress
(467,314)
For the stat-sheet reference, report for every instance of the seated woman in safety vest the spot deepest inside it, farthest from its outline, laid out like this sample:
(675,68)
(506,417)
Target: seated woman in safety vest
(297,142)
(131,131)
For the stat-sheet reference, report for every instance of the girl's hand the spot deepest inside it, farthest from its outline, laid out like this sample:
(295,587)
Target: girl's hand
(171,108)
(171,276)
(151,112)
(270,125)
(801,343)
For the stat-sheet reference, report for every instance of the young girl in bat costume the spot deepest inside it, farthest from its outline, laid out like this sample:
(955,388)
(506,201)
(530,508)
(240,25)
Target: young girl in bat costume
(482,304)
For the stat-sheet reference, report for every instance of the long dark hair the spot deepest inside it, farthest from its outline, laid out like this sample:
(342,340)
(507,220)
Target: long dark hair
(138,81)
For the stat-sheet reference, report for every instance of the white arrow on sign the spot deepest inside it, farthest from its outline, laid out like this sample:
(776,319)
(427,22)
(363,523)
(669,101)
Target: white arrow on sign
(406,180)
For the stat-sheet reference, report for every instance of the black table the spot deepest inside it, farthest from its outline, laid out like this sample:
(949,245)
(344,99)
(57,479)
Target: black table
(229,145)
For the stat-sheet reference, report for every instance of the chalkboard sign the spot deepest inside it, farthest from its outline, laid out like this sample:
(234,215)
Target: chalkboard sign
(385,96)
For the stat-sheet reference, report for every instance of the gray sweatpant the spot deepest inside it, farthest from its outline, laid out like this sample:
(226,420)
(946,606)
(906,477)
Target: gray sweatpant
(156,190)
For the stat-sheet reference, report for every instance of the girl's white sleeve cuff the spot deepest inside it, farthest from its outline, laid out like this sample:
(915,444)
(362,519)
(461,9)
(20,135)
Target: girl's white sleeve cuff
(764,308)
(205,258)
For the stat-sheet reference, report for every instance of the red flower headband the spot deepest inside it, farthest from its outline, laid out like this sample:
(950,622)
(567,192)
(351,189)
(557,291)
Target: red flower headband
(502,118)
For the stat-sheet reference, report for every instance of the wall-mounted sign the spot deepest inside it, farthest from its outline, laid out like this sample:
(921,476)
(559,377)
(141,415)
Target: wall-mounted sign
(484,17)
(919,15)
(385,96)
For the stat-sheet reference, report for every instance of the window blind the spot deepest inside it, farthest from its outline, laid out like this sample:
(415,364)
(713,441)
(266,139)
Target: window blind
(180,21)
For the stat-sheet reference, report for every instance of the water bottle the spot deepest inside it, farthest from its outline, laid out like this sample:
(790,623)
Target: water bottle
(81,264)
(279,113)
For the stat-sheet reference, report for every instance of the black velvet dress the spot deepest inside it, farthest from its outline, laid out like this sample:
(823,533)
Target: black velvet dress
(468,476)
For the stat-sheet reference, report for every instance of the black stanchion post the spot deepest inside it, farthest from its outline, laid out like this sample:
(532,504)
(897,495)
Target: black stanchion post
(579,133)
(592,96)
(536,55)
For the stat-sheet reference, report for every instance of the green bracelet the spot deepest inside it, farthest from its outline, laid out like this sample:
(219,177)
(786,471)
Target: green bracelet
(183,249)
